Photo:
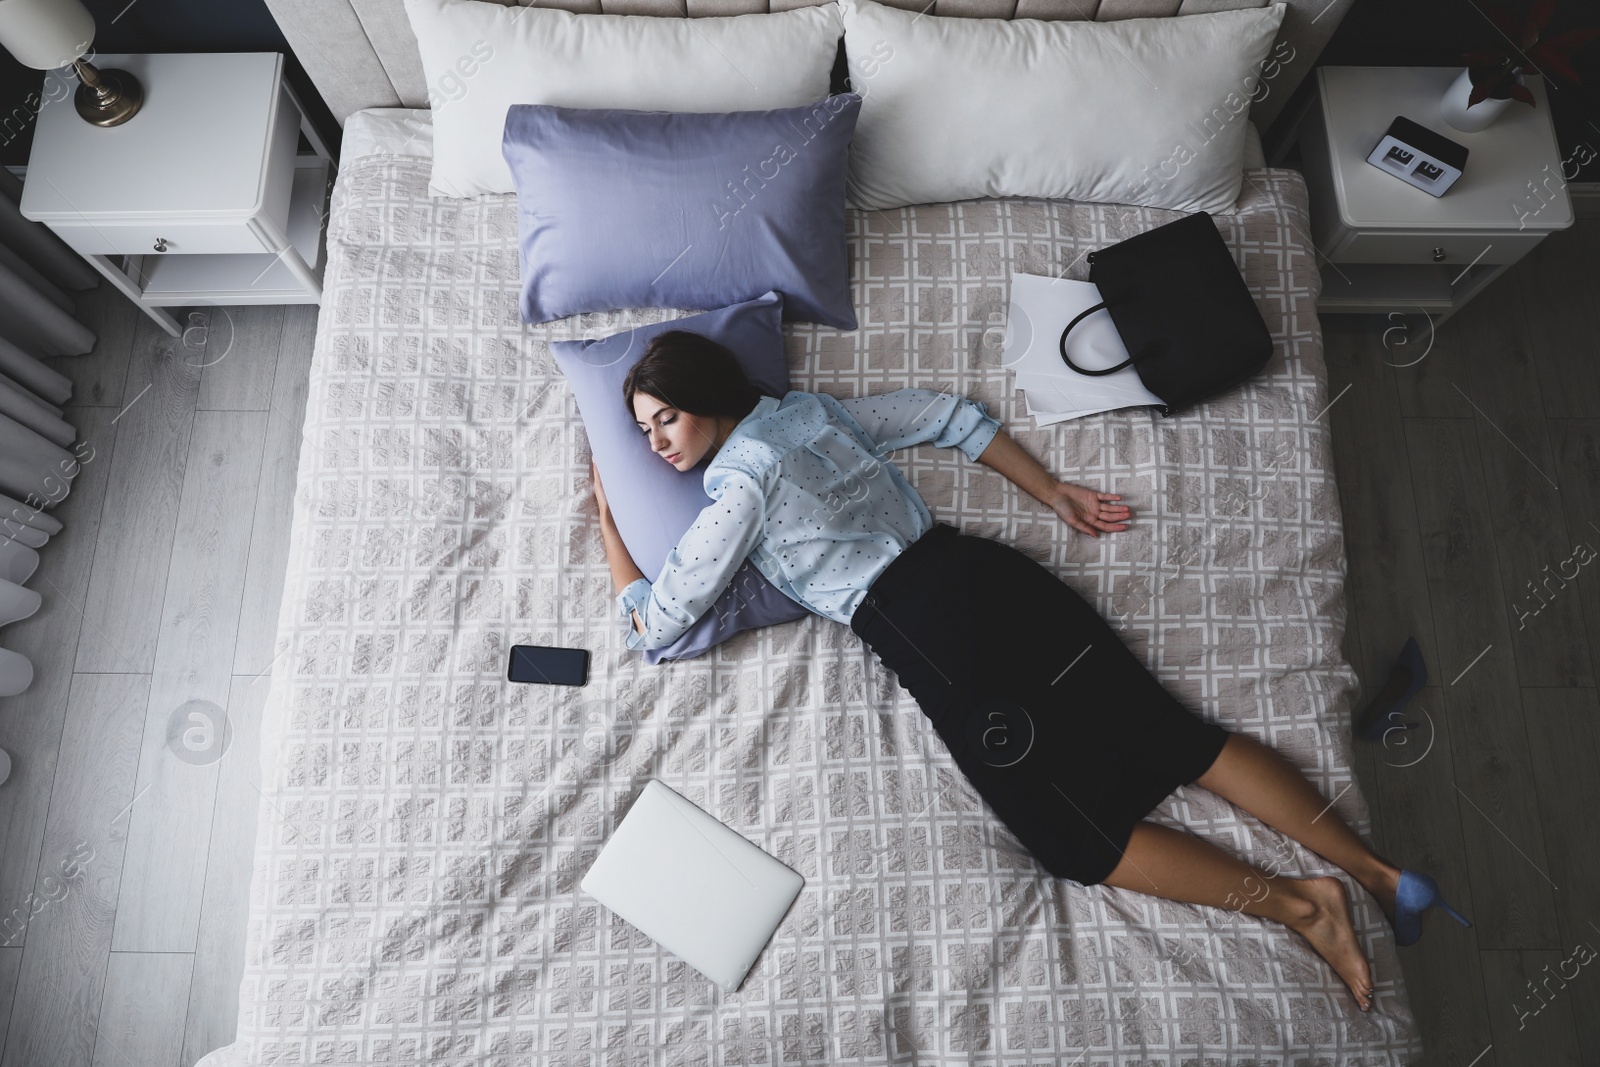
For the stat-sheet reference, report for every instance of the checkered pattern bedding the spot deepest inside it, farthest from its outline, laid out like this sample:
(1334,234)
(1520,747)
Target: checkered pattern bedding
(425,823)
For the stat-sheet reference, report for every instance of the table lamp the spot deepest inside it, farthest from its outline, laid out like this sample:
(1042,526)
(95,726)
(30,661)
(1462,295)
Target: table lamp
(50,34)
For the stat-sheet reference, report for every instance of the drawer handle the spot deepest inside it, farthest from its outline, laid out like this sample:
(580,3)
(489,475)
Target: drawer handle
(1438,255)
(161,246)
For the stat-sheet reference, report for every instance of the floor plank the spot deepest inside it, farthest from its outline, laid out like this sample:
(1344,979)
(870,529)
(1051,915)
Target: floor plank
(1489,751)
(99,376)
(62,977)
(10,961)
(164,872)
(31,721)
(1586,998)
(141,1015)
(1558,283)
(269,541)
(1531,1007)
(1577,459)
(1387,586)
(1424,359)
(1419,832)
(240,357)
(219,955)
(1530,531)
(130,568)
(1367,410)
(1364,756)
(1564,737)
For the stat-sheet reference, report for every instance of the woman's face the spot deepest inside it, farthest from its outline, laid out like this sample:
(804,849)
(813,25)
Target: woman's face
(676,436)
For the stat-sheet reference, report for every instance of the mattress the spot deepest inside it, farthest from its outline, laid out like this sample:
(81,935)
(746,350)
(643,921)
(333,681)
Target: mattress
(425,824)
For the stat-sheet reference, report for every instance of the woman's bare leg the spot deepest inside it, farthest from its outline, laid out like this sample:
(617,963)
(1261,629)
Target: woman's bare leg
(1266,785)
(1178,866)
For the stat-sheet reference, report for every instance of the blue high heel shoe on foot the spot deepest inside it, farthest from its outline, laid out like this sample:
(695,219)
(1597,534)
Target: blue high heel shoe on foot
(1406,680)
(1415,895)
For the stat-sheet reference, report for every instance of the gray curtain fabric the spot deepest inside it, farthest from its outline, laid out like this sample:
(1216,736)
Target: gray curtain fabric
(36,464)
(32,375)
(36,245)
(36,269)
(15,516)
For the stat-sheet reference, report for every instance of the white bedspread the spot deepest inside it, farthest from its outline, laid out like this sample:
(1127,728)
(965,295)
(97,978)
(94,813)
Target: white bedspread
(426,823)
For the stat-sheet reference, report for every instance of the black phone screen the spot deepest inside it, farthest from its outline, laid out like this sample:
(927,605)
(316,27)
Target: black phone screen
(545,665)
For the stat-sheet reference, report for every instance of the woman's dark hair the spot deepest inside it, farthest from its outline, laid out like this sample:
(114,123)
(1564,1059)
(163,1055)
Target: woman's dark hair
(691,373)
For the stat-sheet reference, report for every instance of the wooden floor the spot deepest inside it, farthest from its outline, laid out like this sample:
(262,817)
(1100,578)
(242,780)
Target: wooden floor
(163,588)
(1467,479)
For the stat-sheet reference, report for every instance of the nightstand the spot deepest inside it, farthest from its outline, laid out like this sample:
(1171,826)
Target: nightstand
(1388,246)
(214,193)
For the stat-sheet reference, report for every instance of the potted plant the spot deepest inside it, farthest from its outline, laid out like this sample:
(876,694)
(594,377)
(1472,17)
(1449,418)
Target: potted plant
(1496,76)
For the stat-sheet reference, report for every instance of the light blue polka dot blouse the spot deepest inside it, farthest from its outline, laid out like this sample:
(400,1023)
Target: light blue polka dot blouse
(803,488)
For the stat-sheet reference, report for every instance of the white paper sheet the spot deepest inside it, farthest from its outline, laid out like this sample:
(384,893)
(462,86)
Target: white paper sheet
(1040,309)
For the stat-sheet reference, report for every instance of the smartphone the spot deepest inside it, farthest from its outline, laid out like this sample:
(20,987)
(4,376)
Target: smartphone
(545,665)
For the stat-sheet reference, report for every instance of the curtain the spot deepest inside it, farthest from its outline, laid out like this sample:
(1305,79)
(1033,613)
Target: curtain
(37,461)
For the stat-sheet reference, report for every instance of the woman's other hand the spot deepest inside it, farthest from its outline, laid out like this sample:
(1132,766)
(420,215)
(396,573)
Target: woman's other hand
(1089,511)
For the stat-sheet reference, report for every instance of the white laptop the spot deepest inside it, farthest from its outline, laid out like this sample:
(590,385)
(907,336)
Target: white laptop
(692,885)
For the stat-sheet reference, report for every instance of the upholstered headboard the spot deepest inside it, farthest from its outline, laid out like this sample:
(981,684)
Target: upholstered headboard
(362,53)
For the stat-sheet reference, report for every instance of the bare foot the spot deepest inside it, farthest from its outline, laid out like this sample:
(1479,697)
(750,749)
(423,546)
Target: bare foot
(1329,930)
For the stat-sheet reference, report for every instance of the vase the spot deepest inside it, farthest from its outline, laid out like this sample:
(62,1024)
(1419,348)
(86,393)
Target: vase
(1453,106)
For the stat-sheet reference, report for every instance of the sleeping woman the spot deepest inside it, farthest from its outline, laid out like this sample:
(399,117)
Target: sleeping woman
(1058,725)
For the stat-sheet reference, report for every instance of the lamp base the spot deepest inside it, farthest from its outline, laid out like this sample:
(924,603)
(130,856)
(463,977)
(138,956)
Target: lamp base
(112,98)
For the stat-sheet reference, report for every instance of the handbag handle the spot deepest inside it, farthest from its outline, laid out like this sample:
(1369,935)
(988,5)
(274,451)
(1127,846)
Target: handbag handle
(1068,359)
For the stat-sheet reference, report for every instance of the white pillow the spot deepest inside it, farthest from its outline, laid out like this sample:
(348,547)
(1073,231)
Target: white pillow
(480,58)
(1141,111)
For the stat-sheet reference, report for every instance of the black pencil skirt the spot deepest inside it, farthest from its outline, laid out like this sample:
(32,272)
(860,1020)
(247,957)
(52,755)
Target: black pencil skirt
(1059,726)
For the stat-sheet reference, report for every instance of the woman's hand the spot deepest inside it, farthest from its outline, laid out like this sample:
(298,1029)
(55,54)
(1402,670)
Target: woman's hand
(1087,510)
(599,494)
(1081,508)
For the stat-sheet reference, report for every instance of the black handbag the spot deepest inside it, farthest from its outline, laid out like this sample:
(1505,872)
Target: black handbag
(1182,310)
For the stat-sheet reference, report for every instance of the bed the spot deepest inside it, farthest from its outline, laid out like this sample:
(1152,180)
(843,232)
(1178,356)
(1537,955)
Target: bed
(425,824)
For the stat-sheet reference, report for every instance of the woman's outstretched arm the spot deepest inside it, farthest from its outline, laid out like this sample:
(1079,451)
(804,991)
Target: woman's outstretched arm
(1080,507)
(913,416)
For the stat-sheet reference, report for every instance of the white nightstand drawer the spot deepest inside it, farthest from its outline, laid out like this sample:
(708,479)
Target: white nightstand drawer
(142,238)
(1368,246)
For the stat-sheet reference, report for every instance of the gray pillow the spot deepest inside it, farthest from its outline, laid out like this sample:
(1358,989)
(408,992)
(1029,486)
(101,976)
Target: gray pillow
(622,209)
(654,505)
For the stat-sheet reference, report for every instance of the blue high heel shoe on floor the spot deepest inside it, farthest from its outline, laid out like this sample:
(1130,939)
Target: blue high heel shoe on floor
(1415,895)
(1406,680)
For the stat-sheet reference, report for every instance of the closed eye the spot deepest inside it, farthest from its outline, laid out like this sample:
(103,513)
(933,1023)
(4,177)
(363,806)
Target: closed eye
(667,420)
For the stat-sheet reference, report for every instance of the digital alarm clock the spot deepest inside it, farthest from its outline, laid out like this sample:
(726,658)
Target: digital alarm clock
(1418,156)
